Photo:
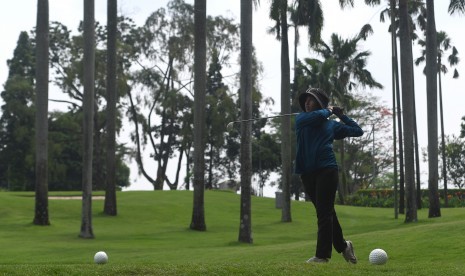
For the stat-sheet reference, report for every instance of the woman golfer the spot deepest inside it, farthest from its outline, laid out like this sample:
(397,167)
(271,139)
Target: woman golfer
(317,166)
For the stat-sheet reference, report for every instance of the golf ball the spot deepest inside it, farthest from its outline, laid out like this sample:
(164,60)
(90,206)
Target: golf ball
(100,257)
(378,257)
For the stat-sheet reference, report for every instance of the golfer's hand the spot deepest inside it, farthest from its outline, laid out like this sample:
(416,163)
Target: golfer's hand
(338,111)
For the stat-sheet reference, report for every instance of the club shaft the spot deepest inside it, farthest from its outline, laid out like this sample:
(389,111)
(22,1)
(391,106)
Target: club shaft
(262,118)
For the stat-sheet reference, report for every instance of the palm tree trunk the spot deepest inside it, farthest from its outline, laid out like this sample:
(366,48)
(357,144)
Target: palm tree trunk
(209,184)
(432,112)
(443,143)
(41,216)
(295,178)
(245,229)
(401,141)
(200,78)
(88,123)
(188,167)
(417,154)
(286,120)
(110,192)
(394,89)
(407,103)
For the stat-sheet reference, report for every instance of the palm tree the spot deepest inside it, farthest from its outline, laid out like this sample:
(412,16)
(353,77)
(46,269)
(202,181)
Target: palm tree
(286,120)
(278,12)
(41,125)
(302,14)
(350,64)
(395,93)
(200,78)
(245,229)
(309,14)
(88,123)
(317,73)
(453,59)
(443,44)
(349,72)
(415,9)
(406,58)
(306,14)
(110,192)
(457,6)
(432,116)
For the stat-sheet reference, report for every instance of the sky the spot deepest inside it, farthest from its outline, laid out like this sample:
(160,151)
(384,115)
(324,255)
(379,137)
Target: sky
(20,15)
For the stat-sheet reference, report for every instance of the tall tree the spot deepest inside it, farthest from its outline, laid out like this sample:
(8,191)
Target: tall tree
(41,126)
(395,92)
(392,12)
(432,111)
(278,12)
(166,49)
(218,101)
(455,154)
(443,45)
(88,118)
(415,10)
(167,41)
(406,58)
(17,119)
(307,14)
(200,65)
(245,229)
(110,191)
(286,120)
(66,58)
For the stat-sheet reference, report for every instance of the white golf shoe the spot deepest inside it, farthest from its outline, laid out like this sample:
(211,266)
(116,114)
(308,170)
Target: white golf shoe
(349,254)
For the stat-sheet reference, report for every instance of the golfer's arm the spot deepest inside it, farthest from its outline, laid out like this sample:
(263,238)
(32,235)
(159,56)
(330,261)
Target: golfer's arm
(313,118)
(349,129)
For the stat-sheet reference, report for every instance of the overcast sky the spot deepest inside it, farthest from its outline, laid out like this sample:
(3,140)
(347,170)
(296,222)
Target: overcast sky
(20,15)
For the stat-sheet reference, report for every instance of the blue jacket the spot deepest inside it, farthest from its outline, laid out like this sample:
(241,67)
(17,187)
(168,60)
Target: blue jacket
(315,136)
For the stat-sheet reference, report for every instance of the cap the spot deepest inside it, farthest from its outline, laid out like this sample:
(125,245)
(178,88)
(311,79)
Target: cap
(318,94)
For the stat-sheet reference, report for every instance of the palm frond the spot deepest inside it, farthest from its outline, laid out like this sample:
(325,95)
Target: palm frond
(453,57)
(372,2)
(365,31)
(346,3)
(420,60)
(457,6)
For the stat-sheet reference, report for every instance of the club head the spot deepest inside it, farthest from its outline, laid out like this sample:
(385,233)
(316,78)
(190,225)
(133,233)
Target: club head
(229,126)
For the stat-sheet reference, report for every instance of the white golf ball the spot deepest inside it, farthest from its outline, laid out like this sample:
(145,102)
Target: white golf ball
(100,257)
(378,257)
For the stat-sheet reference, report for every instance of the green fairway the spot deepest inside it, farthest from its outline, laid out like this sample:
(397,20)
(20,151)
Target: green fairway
(151,236)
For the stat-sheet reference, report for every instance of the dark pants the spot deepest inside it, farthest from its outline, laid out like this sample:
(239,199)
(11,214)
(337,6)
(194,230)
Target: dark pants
(321,188)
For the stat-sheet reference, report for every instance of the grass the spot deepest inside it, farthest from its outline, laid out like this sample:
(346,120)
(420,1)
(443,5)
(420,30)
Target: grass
(151,236)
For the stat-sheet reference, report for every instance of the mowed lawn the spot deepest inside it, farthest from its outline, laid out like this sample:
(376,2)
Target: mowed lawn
(151,236)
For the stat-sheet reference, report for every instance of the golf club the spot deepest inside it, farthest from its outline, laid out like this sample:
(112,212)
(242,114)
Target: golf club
(230,124)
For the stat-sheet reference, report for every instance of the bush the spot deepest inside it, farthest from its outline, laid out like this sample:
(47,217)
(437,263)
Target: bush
(385,198)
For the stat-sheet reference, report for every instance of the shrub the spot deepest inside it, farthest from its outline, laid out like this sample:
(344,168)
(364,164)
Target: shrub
(385,198)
